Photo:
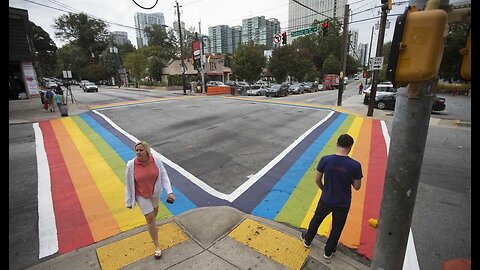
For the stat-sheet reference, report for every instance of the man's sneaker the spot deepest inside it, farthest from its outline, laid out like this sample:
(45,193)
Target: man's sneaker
(305,243)
(328,256)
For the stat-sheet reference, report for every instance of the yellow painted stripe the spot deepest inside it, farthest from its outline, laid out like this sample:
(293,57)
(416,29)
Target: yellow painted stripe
(360,152)
(284,249)
(360,131)
(110,186)
(139,246)
(99,217)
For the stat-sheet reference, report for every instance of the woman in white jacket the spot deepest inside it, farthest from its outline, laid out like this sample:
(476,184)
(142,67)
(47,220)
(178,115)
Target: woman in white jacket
(145,177)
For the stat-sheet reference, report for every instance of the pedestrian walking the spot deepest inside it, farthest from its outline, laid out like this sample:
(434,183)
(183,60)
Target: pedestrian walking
(49,95)
(360,89)
(145,177)
(58,100)
(340,173)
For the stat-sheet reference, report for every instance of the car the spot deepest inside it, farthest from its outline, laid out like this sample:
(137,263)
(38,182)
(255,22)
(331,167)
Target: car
(257,90)
(277,90)
(383,102)
(297,88)
(215,83)
(90,87)
(382,89)
(311,87)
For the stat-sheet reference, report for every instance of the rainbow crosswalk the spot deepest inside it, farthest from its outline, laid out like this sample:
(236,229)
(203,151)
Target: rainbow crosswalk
(82,159)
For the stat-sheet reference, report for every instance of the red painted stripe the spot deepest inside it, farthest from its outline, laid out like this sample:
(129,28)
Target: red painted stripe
(373,195)
(72,226)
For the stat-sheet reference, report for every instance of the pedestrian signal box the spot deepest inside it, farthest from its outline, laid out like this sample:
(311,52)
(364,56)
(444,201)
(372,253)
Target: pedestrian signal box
(465,72)
(417,46)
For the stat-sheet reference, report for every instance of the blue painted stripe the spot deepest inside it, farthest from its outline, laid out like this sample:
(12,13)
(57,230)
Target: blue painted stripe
(182,203)
(125,152)
(278,196)
(259,190)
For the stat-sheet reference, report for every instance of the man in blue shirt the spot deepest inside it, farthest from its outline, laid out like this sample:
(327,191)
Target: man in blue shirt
(341,173)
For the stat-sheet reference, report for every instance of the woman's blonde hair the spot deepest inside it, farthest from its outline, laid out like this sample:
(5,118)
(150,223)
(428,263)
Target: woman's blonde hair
(145,146)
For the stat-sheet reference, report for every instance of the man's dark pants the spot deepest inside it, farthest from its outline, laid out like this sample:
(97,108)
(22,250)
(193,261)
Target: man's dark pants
(339,217)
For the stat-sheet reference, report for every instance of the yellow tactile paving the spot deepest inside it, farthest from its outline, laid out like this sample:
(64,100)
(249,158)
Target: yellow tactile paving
(139,246)
(285,249)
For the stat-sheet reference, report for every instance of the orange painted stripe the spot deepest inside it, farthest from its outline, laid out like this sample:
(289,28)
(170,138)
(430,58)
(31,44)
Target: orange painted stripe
(361,152)
(100,219)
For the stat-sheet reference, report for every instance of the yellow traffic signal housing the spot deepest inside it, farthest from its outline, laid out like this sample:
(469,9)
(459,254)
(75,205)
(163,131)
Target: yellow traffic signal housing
(465,72)
(417,54)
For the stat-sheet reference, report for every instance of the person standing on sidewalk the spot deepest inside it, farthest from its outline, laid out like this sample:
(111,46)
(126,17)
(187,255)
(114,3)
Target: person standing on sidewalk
(340,173)
(360,89)
(145,177)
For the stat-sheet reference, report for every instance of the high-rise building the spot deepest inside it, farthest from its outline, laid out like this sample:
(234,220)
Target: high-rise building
(182,25)
(143,20)
(260,31)
(120,37)
(300,17)
(352,43)
(362,52)
(234,39)
(218,39)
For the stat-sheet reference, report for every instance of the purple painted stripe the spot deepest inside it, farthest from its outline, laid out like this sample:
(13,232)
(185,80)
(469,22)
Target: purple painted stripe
(258,191)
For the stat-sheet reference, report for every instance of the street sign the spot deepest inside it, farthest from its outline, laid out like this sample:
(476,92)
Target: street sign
(276,38)
(377,63)
(305,31)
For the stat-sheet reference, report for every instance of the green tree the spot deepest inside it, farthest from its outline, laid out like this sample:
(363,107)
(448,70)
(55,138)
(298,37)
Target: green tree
(70,57)
(158,36)
(300,64)
(95,72)
(136,62)
(331,65)
(249,62)
(157,59)
(45,51)
(278,64)
(452,59)
(89,34)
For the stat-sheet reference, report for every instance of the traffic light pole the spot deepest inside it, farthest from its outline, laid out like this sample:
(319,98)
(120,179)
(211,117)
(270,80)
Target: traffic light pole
(341,85)
(409,134)
(381,35)
(184,79)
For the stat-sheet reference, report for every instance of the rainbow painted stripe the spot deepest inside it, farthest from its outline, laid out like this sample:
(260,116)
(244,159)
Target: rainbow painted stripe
(82,159)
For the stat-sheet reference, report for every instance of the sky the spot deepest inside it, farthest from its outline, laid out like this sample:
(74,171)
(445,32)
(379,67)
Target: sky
(119,14)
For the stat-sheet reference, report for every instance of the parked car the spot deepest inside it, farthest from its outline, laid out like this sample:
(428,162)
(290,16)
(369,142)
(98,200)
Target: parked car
(383,102)
(297,88)
(215,83)
(257,90)
(382,89)
(90,87)
(277,90)
(311,87)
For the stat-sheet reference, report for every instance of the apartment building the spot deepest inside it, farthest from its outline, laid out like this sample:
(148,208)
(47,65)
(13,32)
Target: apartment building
(143,20)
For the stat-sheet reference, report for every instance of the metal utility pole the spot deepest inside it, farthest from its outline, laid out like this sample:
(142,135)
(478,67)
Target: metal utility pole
(344,55)
(369,55)
(184,79)
(409,134)
(381,35)
(202,67)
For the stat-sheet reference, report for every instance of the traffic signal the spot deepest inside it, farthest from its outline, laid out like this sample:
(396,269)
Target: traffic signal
(417,46)
(284,38)
(389,4)
(325,28)
(465,72)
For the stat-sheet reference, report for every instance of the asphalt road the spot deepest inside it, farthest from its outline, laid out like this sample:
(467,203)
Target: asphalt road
(205,129)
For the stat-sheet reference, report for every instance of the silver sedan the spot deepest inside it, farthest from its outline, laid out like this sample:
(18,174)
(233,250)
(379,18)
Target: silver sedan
(257,91)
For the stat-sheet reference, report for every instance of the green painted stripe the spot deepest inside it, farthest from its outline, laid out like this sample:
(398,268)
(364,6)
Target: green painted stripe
(111,157)
(297,205)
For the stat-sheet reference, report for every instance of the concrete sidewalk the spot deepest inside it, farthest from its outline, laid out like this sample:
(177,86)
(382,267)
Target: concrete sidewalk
(199,239)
